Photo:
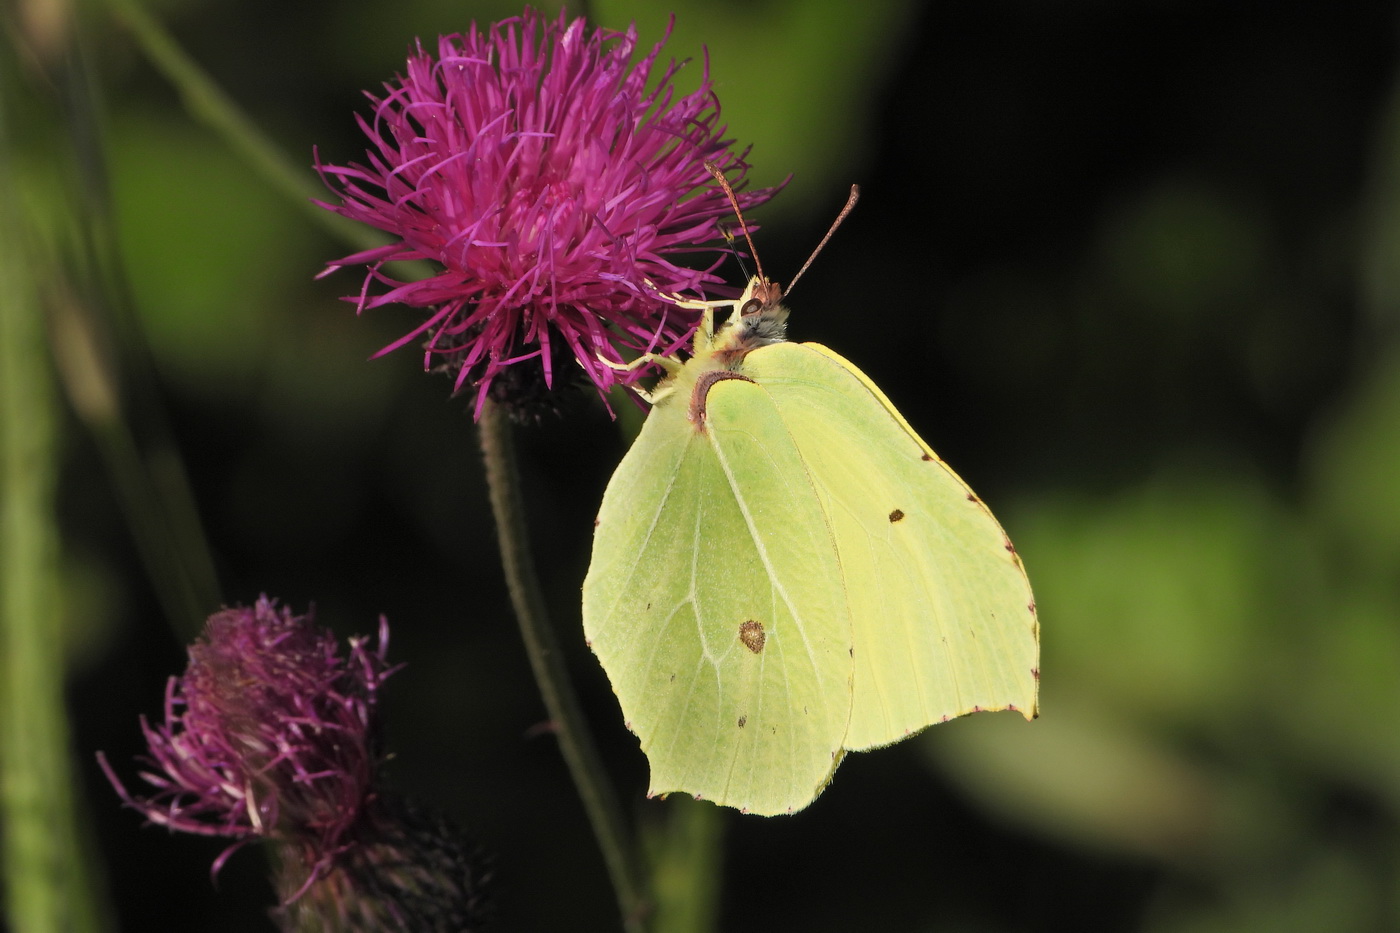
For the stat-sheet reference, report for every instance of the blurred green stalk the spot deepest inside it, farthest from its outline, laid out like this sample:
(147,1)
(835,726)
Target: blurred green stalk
(686,859)
(47,884)
(208,103)
(103,362)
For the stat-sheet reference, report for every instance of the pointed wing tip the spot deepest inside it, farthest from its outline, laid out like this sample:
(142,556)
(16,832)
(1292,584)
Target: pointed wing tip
(1030,711)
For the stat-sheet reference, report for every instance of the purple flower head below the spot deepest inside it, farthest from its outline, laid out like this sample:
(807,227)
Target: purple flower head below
(550,190)
(269,733)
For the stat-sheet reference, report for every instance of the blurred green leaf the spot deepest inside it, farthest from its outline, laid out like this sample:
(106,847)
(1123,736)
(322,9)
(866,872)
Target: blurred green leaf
(1327,891)
(209,248)
(1158,599)
(794,78)
(1180,251)
(1355,474)
(1084,774)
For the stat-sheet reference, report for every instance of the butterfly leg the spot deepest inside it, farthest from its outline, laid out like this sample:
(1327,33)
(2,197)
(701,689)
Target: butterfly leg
(671,365)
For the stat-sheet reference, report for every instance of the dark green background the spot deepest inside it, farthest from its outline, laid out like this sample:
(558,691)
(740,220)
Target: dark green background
(1129,267)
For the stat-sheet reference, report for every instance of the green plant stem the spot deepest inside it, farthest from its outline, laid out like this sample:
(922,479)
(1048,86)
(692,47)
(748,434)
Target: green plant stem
(686,855)
(47,881)
(575,741)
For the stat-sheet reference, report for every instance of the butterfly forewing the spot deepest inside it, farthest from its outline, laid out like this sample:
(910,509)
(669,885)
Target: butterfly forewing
(942,618)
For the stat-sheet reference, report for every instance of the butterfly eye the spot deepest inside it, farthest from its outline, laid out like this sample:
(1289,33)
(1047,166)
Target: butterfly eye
(752,306)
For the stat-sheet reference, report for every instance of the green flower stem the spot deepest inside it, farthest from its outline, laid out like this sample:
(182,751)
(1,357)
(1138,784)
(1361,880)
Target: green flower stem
(47,883)
(560,701)
(686,855)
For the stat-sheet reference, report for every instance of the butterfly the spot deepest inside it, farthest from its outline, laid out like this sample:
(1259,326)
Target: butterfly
(783,571)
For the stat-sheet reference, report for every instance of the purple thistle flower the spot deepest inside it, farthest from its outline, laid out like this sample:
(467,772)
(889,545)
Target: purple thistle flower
(272,734)
(269,733)
(533,165)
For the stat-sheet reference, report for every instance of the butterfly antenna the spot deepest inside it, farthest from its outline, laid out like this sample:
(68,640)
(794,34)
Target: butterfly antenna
(845,211)
(713,169)
(738,257)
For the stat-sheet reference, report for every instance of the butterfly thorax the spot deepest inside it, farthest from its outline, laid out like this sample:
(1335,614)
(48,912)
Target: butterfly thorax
(758,320)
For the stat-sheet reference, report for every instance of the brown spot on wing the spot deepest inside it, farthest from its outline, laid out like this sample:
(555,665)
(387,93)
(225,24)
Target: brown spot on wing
(896,515)
(743,721)
(752,635)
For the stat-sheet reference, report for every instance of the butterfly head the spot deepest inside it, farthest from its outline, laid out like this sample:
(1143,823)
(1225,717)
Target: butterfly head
(761,317)
(761,294)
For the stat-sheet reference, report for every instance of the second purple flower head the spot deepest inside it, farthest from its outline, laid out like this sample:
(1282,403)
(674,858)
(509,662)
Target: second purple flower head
(273,734)
(554,190)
